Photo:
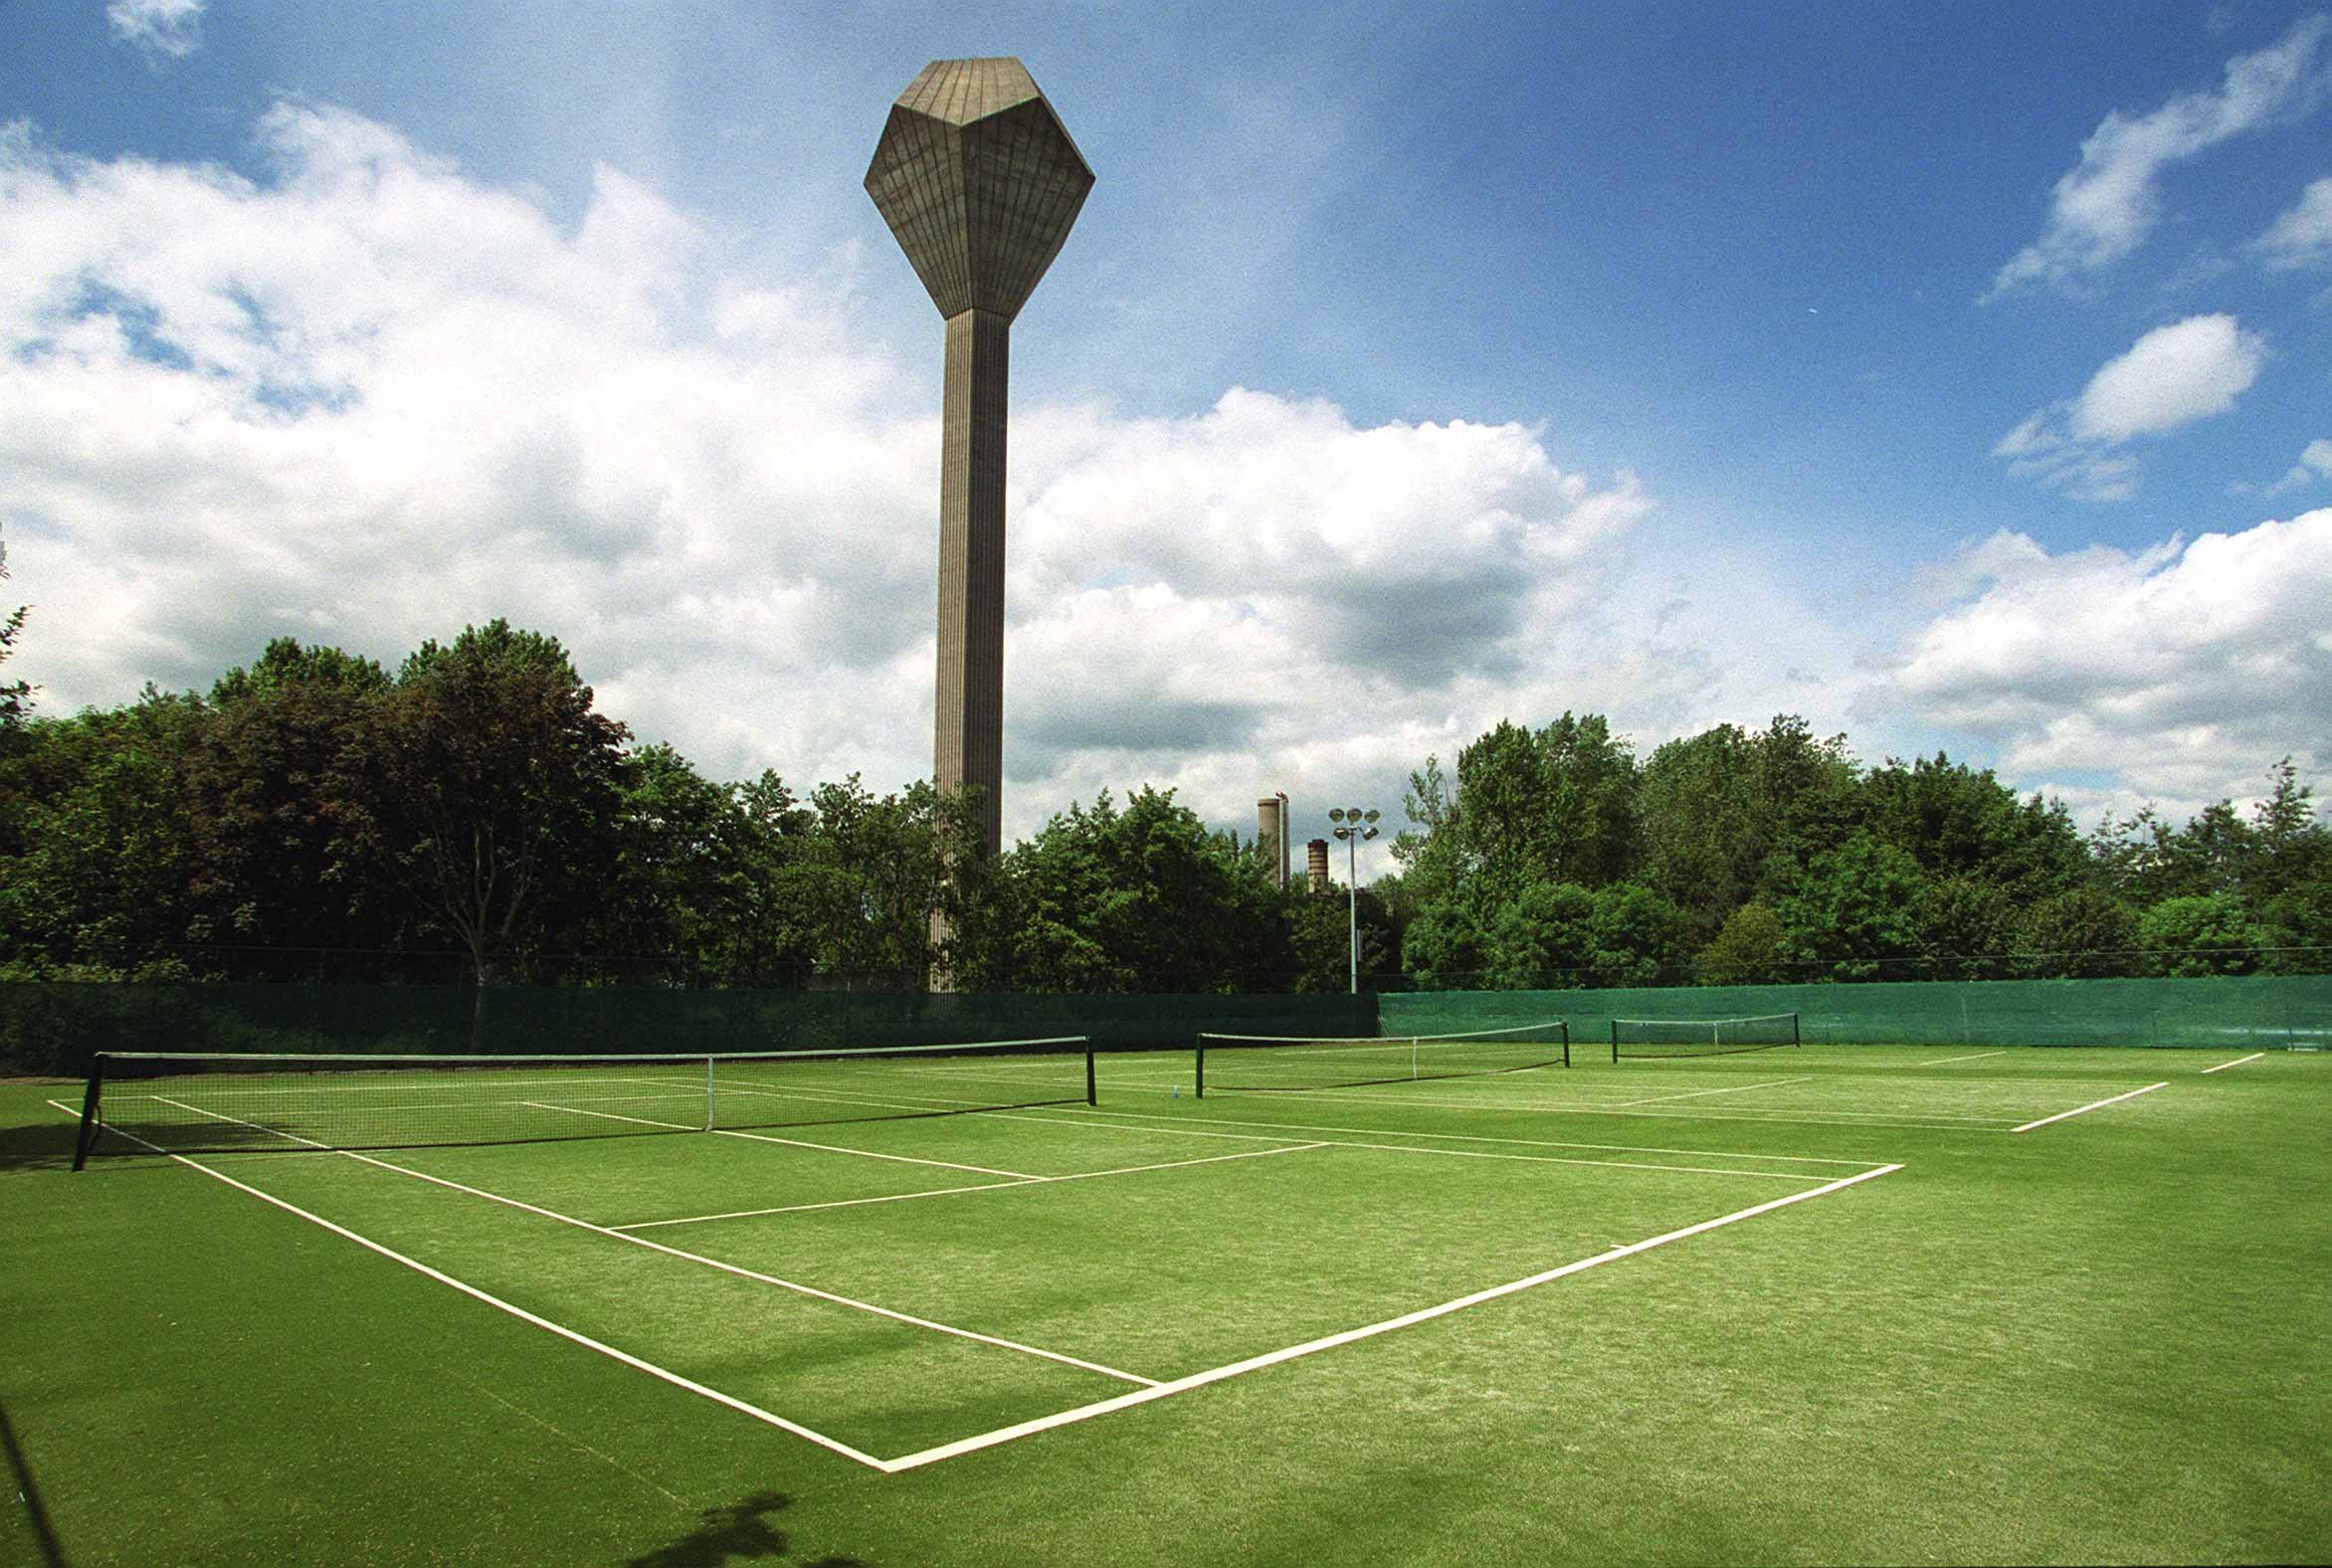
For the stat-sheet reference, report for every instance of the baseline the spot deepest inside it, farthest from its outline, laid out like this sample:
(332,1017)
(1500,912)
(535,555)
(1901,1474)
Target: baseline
(2236,1063)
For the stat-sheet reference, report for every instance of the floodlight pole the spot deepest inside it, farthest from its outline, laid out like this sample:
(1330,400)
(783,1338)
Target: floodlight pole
(1357,826)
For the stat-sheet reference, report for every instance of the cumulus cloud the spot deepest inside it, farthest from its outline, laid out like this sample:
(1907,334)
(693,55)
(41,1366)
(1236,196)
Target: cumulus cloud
(2175,669)
(169,28)
(2302,236)
(2174,375)
(363,398)
(2106,205)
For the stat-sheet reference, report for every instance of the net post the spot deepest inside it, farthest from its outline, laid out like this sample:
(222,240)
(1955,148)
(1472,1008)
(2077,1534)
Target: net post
(1615,1042)
(1092,1097)
(1795,1038)
(87,1137)
(1199,1069)
(1564,1025)
(709,1118)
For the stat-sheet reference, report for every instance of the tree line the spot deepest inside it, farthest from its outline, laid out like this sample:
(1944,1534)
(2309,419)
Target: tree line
(472,815)
(1557,858)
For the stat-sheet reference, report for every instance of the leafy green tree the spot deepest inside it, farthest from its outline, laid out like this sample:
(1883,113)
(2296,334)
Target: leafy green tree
(872,874)
(1139,898)
(278,789)
(1322,939)
(2202,934)
(1967,926)
(1445,947)
(2081,933)
(105,876)
(500,791)
(1544,939)
(1751,949)
(1640,938)
(1958,820)
(1706,828)
(1854,912)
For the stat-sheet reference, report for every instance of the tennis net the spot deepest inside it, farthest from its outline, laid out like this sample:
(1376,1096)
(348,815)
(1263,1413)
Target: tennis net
(1276,1062)
(1700,1037)
(184,1102)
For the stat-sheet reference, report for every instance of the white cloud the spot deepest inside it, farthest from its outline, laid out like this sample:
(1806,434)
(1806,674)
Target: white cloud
(2171,376)
(2106,205)
(2174,375)
(365,400)
(2181,669)
(158,27)
(2314,465)
(2302,236)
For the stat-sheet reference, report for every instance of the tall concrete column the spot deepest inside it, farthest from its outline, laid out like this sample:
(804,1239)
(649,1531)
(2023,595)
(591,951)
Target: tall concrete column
(968,723)
(980,184)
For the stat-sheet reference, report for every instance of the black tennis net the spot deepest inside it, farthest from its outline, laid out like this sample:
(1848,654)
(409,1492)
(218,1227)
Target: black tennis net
(1277,1061)
(184,1102)
(1700,1037)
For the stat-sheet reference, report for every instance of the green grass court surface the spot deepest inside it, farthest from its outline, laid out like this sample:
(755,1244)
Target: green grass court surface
(1824,1305)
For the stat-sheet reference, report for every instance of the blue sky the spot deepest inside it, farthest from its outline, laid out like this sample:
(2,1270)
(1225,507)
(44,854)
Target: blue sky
(1953,376)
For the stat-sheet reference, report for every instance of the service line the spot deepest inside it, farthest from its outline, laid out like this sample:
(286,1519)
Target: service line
(2236,1063)
(1947,1061)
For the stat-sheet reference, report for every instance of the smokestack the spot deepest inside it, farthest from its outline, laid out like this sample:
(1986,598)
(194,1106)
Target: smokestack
(1271,838)
(1317,852)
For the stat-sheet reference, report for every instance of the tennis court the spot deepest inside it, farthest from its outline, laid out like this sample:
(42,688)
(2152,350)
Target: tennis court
(913,1264)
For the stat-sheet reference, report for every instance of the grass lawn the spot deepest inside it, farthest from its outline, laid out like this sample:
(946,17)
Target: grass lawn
(1823,1305)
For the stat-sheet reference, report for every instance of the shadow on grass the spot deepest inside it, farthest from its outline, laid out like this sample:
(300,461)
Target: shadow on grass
(29,1493)
(38,1145)
(739,1532)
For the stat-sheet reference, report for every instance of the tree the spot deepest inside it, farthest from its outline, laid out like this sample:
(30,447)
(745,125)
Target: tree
(102,880)
(2081,933)
(1139,898)
(278,787)
(502,787)
(1967,926)
(1445,947)
(1706,829)
(1750,951)
(2203,934)
(1321,941)
(1640,937)
(1543,939)
(1853,909)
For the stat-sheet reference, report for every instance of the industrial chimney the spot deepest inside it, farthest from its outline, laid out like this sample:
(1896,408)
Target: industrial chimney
(1272,837)
(1317,852)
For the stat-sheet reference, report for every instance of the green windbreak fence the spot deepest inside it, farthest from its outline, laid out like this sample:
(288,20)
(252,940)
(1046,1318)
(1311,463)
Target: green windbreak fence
(54,1026)
(2251,1013)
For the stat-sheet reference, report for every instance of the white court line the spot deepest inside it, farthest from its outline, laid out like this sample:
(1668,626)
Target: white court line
(763,1138)
(798,1289)
(2092,1105)
(1738,1089)
(994,1186)
(1084,1120)
(988,1440)
(1939,1121)
(1978,1056)
(519,1313)
(1555,1159)
(2236,1063)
